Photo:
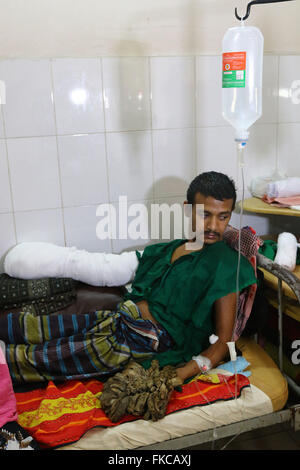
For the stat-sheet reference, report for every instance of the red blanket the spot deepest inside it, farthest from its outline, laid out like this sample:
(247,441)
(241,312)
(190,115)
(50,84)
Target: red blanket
(61,414)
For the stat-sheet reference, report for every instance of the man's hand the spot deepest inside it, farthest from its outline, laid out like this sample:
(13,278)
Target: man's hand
(145,312)
(139,392)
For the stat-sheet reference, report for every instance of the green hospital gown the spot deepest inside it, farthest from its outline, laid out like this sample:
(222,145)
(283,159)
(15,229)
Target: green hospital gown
(181,294)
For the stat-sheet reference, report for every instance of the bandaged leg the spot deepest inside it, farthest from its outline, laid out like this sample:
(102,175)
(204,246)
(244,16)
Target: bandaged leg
(38,260)
(286,255)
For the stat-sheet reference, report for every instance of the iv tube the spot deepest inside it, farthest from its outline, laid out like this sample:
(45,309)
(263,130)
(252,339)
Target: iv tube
(231,345)
(240,157)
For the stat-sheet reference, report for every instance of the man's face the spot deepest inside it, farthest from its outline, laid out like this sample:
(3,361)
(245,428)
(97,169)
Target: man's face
(216,217)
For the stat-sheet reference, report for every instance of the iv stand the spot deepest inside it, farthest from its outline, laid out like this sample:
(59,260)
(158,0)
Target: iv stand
(256,2)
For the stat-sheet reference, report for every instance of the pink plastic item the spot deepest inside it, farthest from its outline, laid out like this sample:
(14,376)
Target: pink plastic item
(8,405)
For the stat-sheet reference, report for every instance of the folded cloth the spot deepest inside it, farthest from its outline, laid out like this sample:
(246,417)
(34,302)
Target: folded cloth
(34,260)
(284,188)
(40,296)
(282,201)
(237,366)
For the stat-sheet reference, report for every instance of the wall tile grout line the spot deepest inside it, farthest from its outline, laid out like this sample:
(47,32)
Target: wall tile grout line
(151,125)
(277,114)
(57,150)
(105,141)
(195,117)
(9,175)
(162,129)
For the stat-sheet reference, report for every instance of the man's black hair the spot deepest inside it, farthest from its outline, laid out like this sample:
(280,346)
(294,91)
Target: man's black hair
(214,184)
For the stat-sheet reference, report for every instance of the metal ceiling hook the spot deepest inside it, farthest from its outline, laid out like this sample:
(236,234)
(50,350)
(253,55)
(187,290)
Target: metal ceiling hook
(256,2)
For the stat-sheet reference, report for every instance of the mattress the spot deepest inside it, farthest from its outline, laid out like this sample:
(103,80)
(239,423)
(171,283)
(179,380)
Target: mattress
(268,392)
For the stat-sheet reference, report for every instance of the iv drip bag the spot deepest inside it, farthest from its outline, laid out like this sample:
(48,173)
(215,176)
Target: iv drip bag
(242,78)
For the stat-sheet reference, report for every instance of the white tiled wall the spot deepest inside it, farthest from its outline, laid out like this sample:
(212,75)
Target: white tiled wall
(75,133)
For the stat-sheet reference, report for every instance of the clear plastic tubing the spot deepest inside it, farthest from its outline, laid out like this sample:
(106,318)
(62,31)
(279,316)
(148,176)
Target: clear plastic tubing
(242,68)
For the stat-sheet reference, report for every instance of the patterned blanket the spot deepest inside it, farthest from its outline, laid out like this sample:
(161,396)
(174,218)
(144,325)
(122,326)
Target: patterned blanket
(60,414)
(249,245)
(38,296)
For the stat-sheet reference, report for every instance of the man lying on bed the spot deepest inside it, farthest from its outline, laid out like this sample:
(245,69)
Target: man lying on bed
(178,299)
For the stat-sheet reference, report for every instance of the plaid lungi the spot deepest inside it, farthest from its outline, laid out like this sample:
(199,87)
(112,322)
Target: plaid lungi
(68,347)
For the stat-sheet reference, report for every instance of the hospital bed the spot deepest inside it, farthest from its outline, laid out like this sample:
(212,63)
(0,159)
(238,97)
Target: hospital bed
(262,404)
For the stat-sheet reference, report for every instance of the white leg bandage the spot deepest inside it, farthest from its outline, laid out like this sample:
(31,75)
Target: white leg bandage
(39,260)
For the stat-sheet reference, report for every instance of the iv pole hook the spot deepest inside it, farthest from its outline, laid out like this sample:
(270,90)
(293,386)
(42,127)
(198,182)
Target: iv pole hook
(256,2)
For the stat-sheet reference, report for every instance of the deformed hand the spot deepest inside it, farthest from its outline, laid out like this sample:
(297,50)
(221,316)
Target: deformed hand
(139,392)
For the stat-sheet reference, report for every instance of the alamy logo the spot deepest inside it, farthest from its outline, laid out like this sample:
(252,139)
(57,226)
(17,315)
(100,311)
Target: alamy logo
(134,221)
(296,354)
(295,92)
(2,92)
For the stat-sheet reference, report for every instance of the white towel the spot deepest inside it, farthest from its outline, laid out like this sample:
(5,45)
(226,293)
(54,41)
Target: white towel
(284,188)
(35,260)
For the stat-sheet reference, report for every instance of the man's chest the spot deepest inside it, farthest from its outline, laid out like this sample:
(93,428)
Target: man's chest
(180,251)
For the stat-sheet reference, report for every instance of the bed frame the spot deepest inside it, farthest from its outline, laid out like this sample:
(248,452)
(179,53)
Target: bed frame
(290,414)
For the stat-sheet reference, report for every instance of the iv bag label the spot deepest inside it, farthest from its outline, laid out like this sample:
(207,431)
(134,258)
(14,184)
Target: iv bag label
(234,70)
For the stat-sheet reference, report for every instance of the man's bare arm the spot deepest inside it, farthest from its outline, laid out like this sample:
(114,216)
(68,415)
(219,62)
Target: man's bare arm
(225,308)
